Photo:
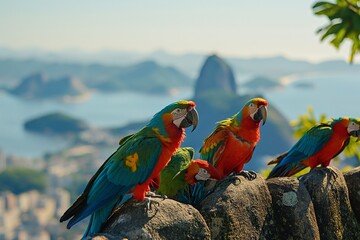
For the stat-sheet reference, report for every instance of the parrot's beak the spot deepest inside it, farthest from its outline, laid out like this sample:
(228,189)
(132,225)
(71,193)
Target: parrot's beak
(356,133)
(191,118)
(261,114)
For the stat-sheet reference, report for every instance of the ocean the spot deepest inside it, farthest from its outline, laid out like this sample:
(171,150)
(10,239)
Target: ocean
(333,95)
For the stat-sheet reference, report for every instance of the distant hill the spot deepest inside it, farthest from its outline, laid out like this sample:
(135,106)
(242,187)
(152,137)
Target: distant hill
(56,124)
(38,86)
(145,76)
(188,64)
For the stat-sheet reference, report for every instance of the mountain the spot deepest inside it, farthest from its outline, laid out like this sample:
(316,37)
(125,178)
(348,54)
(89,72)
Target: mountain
(218,103)
(215,74)
(38,86)
(147,76)
(188,63)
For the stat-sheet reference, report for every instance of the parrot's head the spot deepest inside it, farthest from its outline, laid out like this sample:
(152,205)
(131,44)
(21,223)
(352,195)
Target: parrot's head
(352,126)
(200,170)
(181,113)
(256,109)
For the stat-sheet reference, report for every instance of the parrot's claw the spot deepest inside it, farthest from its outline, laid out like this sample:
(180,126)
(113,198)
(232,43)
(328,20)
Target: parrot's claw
(151,206)
(154,195)
(233,179)
(250,175)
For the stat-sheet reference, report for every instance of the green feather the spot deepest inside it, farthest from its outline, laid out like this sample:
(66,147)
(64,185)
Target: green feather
(172,177)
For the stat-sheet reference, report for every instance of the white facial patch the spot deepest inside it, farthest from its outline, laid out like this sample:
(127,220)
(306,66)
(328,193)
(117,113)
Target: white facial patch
(202,175)
(178,115)
(353,127)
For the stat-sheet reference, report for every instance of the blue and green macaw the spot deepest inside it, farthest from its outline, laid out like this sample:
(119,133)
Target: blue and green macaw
(318,146)
(131,168)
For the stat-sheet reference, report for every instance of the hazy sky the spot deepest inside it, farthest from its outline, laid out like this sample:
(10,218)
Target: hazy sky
(227,27)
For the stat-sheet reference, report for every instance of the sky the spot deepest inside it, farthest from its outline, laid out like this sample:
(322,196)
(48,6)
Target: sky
(231,28)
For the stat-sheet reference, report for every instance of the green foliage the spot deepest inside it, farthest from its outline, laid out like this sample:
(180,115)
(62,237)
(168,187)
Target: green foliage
(19,180)
(308,120)
(344,17)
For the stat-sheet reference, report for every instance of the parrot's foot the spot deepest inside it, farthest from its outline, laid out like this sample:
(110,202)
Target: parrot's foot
(151,206)
(233,179)
(250,175)
(154,195)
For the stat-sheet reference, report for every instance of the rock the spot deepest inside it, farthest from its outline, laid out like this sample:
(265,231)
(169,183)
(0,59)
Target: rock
(237,209)
(329,194)
(294,214)
(170,220)
(352,179)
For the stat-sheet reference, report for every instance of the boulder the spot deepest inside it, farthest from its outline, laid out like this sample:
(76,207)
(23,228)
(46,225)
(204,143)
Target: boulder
(237,208)
(329,194)
(168,219)
(352,179)
(294,214)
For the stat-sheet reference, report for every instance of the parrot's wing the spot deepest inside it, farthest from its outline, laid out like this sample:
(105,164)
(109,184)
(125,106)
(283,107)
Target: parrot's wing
(213,146)
(131,164)
(312,141)
(172,176)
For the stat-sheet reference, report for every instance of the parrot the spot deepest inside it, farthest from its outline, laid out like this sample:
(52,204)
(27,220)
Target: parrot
(233,141)
(183,171)
(316,147)
(130,169)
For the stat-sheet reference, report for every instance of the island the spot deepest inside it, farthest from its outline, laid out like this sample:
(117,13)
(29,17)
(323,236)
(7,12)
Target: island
(56,124)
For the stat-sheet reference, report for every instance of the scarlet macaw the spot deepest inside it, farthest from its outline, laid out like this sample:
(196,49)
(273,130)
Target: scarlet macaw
(130,169)
(233,141)
(318,146)
(181,172)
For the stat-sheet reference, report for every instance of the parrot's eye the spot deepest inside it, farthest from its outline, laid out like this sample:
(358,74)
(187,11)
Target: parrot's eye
(202,171)
(251,105)
(178,113)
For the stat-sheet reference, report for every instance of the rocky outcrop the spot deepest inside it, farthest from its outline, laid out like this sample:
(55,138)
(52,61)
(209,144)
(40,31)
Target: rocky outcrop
(352,179)
(329,194)
(315,207)
(294,214)
(168,219)
(237,209)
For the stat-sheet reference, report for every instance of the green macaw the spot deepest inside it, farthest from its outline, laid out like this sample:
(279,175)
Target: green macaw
(183,171)
(131,168)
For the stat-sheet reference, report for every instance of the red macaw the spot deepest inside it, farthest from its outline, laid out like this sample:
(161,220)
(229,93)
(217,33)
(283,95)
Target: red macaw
(131,168)
(318,146)
(233,141)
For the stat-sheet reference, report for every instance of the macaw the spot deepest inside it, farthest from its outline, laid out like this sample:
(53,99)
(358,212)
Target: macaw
(131,168)
(233,141)
(318,146)
(183,171)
